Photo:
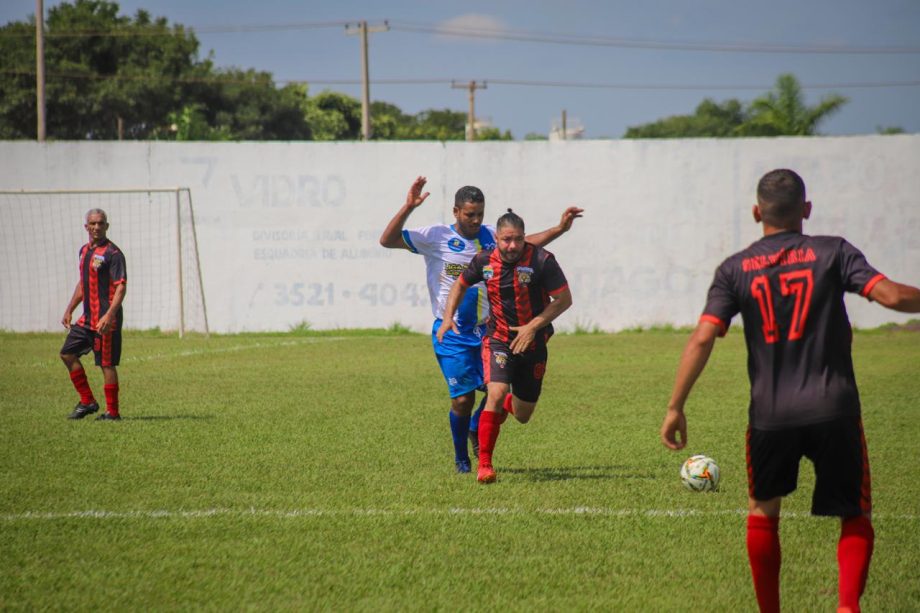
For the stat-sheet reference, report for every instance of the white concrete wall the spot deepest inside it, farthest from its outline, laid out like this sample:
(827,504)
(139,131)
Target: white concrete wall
(288,231)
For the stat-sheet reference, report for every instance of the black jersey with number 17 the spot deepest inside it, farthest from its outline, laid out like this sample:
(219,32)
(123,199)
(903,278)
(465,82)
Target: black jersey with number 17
(789,290)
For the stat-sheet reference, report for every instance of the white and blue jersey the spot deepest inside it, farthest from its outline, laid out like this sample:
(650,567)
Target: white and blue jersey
(447,254)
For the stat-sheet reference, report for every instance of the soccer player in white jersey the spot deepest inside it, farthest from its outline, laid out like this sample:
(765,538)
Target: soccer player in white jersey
(447,250)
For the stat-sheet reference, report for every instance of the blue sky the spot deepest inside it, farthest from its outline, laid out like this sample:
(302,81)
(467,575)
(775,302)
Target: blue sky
(649,82)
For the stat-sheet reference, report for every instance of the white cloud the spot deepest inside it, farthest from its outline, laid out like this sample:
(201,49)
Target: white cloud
(473,25)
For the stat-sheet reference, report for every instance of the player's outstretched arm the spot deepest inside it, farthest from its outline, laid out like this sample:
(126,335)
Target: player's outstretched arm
(896,296)
(541,239)
(527,332)
(74,301)
(692,363)
(457,291)
(392,234)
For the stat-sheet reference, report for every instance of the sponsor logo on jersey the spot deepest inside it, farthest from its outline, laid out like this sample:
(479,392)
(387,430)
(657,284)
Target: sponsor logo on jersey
(487,272)
(453,270)
(456,245)
(98,260)
(524,273)
(501,358)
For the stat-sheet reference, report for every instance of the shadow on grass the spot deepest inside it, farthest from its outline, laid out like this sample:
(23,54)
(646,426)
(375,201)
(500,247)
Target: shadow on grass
(564,473)
(166,417)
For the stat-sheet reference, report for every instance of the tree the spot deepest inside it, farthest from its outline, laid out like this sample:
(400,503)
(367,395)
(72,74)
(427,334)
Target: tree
(334,116)
(783,112)
(103,71)
(111,76)
(710,119)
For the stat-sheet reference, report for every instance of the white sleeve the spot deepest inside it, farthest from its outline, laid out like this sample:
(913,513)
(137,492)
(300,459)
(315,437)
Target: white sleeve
(420,240)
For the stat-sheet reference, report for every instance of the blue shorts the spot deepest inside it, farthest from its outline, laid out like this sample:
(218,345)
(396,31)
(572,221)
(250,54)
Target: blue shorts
(460,358)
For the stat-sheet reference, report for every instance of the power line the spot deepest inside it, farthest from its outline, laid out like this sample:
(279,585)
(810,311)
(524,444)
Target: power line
(602,41)
(506,35)
(508,82)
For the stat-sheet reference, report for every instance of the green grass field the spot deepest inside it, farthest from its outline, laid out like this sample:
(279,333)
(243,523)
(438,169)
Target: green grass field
(314,472)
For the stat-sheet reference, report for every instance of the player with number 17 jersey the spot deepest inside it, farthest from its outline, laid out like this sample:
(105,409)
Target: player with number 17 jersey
(789,290)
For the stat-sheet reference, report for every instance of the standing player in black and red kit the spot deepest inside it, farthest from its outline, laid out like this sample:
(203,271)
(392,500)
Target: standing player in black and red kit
(527,290)
(789,290)
(101,288)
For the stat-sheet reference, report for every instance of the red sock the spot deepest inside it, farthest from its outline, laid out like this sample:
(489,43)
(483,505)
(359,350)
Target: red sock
(854,552)
(508,404)
(78,377)
(111,399)
(764,555)
(489,426)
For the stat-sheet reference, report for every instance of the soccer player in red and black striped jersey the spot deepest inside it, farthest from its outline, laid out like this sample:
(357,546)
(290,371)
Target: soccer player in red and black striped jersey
(527,290)
(789,288)
(101,289)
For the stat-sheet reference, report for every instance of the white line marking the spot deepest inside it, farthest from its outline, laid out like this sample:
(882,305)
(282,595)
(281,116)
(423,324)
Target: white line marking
(357,512)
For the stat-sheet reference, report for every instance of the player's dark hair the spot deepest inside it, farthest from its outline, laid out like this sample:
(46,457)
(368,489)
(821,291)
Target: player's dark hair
(469,193)
(510,219)
(781,197)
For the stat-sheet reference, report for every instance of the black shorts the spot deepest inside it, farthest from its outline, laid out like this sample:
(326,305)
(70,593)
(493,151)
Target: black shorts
(836,448)
(105,348)
(523,371)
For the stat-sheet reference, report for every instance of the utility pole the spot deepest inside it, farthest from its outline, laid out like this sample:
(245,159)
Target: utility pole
(362,29)
(563,125)
(472,86)
(40,67)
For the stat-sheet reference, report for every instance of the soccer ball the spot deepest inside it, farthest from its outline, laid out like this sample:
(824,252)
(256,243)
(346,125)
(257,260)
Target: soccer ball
(700,474)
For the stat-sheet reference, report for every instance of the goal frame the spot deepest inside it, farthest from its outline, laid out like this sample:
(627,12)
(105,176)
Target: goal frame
(178,191)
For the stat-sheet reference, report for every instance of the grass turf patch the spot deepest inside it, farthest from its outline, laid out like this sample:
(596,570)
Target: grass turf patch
(314,471)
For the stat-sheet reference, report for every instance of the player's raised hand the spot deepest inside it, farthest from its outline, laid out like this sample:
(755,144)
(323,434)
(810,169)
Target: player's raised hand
(415,197)
(569,216)
(675,422)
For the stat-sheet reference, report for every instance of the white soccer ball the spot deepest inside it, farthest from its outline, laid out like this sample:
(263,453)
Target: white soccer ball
(700,474)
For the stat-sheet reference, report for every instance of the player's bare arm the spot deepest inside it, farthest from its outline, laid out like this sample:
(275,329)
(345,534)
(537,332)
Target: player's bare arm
(107,321)
(541,239)
(76,299)
(527,332)
(896,296)
(692,362)
(457,291)
(392,234)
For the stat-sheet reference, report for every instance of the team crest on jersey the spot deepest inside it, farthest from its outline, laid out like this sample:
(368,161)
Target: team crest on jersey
(97,261)
(456,245)
(524,274)
(501,358)
(487,272)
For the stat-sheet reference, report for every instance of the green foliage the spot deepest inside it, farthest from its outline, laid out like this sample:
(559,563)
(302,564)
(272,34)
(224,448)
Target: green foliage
(334,116)
(711,119)
(104,69)
(535,136)
(887,130)
(129,73)
(781,112)
(315,472)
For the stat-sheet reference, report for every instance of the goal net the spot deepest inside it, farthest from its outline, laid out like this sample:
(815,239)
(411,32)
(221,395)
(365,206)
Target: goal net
(42,232)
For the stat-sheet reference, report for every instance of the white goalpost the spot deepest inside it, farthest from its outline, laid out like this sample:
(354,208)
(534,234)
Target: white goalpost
(42,231)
